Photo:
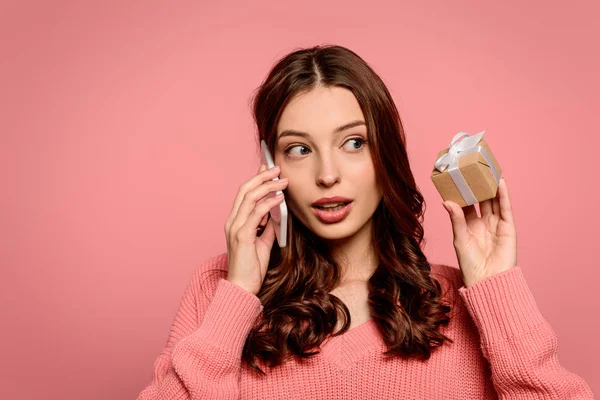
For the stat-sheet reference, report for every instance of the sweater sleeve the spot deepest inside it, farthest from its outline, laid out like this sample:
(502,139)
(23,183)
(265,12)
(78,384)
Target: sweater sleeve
(520,345)
(202,357)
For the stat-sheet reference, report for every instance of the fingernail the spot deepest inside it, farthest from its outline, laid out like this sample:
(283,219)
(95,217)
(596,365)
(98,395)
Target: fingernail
(447,208)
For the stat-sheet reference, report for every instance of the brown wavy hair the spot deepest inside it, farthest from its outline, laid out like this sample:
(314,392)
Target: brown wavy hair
(405,301)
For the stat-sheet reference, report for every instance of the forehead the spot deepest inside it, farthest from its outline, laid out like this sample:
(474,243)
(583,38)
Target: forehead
(320,110)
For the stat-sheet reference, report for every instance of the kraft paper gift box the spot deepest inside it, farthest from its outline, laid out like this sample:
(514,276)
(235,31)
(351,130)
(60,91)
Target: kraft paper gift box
(467,172)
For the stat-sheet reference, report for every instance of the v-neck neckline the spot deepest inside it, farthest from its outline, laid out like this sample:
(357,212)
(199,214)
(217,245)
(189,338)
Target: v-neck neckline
(344,350)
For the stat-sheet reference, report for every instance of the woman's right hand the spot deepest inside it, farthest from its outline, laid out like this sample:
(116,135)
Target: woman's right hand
(249,254)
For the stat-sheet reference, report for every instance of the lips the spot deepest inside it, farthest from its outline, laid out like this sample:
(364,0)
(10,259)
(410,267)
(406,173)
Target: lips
(331,217)
(331,200)
(329,208)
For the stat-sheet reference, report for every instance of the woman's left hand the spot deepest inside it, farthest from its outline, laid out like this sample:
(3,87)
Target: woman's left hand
(486,245)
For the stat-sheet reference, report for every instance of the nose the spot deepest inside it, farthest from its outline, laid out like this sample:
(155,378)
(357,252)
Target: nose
(328,172)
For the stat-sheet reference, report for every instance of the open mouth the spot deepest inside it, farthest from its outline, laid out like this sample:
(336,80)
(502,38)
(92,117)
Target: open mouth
(332,215)
(339,207)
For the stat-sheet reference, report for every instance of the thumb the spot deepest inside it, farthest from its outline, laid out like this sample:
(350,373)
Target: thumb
(457,217)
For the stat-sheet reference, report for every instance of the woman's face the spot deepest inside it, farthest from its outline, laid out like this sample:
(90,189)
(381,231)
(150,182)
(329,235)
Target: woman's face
(321,161)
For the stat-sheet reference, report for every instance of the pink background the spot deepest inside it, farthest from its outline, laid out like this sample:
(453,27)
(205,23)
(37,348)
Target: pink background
(126,131)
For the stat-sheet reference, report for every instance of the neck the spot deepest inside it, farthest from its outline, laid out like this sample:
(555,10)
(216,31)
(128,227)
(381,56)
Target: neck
(355,254)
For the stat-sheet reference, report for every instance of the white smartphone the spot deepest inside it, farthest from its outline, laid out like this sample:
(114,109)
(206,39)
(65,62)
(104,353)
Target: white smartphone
(279,214)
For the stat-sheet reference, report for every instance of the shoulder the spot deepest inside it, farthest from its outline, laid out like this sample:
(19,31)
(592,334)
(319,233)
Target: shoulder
(207,275)
(215,264)
(450,279)
(451,275)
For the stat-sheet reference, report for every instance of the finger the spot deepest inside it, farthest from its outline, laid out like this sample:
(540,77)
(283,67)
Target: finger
(486,208)
(268,236)
(493,214)
(236,204)
(496,201)
(238,200)
(459,223)
(263,175)
(506,212)
(263,224)
(257,215)
(470,213)
(251,200)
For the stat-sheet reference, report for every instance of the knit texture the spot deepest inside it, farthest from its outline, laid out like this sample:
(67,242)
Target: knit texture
(503,349)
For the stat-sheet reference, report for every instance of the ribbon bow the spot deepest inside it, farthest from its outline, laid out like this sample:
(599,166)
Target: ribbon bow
(461,144)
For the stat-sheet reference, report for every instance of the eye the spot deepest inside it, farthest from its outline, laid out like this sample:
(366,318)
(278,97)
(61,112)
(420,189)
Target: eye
(287,151)
(360,140)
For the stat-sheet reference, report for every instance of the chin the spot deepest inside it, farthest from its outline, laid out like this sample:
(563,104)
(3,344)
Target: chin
(336,231)
(333,235)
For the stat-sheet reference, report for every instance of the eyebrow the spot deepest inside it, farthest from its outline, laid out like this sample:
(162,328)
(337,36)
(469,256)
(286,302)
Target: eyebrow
(292,132)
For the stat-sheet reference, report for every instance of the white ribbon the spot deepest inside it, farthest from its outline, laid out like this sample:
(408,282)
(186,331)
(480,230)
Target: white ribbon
(462,143)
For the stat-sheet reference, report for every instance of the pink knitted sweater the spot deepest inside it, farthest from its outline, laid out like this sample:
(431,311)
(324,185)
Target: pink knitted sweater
(503,348)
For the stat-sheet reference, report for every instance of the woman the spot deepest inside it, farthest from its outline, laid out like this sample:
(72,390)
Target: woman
(351,307)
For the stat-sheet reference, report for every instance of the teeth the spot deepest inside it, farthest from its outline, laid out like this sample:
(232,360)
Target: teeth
(332,205)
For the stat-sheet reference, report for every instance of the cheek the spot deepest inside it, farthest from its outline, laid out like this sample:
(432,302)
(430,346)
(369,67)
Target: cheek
(290,194)
(363,170)
(364,179)
(294,199)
